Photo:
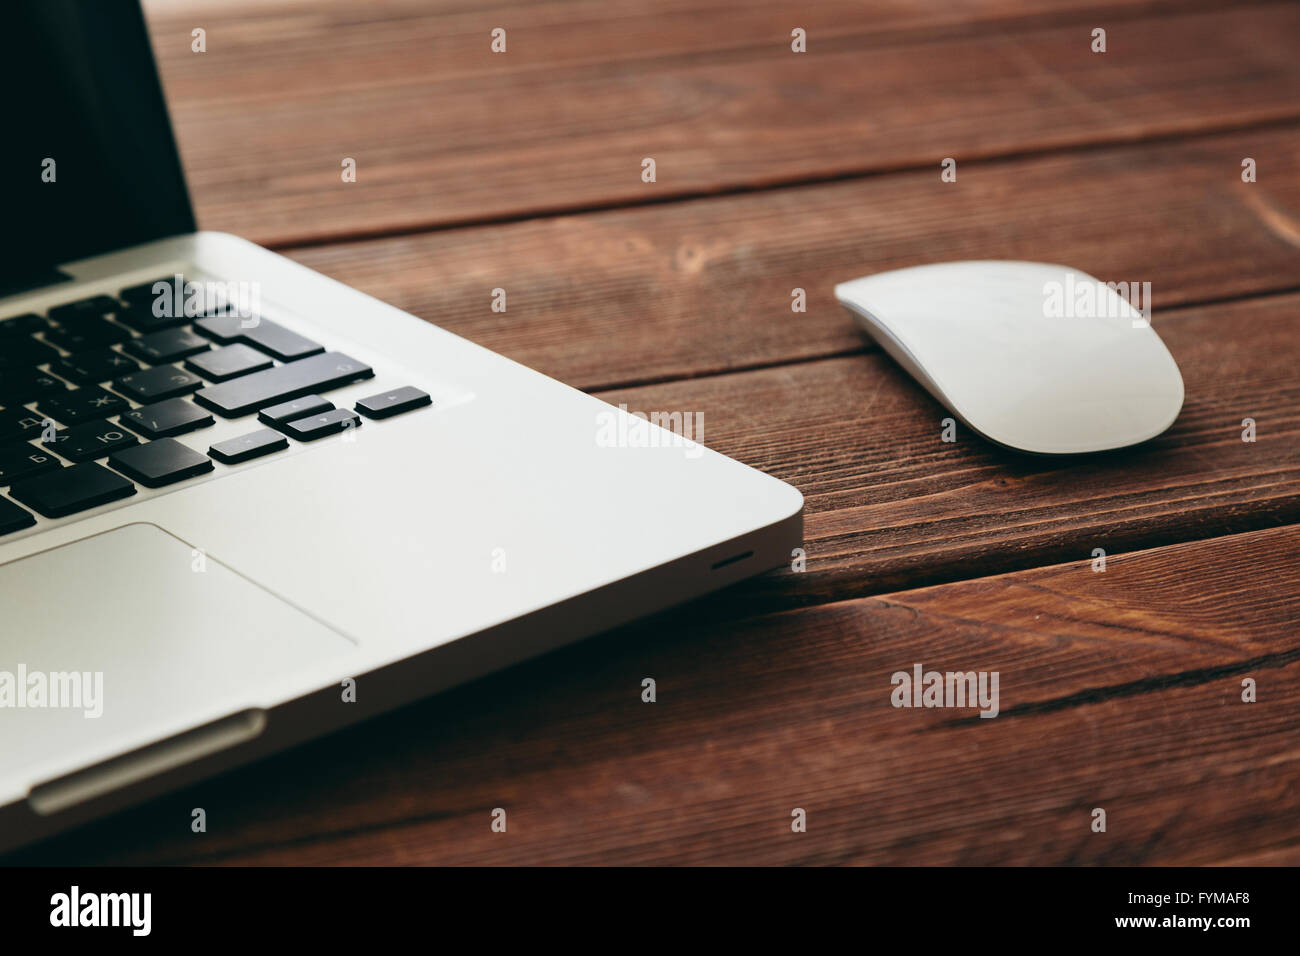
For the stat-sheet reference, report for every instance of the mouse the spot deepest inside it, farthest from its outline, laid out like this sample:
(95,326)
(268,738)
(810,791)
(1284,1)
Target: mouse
(1035,357)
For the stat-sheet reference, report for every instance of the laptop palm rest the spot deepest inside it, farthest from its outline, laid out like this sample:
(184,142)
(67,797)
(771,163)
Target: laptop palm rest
(131,637)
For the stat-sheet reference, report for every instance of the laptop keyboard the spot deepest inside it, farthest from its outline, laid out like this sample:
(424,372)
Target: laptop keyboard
(93,394)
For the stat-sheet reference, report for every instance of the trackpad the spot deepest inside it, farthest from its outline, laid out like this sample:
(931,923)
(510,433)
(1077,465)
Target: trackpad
(131,636)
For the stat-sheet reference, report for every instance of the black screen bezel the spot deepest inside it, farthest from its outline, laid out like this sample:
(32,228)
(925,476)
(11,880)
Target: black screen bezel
(119,130)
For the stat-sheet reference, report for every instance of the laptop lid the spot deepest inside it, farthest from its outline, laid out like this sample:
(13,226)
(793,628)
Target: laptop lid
(88,159)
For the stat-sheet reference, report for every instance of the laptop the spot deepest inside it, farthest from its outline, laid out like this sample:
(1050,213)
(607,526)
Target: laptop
(242,504)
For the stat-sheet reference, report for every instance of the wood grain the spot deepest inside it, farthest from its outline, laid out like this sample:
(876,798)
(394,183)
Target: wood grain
(691,288)
(446,132)
(889,505)
(1280,856)
(1119,690)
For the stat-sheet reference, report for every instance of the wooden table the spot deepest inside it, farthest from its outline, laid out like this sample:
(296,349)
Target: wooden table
(778,170)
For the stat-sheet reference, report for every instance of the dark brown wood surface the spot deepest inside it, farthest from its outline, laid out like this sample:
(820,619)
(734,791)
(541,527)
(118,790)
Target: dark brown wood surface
(1120,689)
(693,288)
(446,132)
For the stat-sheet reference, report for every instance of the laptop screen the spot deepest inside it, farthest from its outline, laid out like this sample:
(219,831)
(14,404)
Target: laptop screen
(87,162)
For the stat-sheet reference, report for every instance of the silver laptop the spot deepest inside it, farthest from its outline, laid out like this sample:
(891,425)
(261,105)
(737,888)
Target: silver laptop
(241,504)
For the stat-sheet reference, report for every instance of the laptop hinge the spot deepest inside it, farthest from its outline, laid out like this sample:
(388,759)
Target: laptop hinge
(27,283)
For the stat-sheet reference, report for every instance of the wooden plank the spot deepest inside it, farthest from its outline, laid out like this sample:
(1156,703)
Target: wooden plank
(698,287)
(444,131)
(1119,690)
(1281,856)
(889,505)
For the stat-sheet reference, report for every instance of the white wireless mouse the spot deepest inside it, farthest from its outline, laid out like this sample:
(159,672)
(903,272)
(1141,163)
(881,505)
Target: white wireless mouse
(1040,358)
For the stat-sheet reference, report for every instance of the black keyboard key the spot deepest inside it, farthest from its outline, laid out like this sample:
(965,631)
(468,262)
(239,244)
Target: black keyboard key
(87,334)
(162,462)
(228,362)
(97,365)
(388,404)
(72,489)
(13,518)
(144,321)
(278,415)
(82,405)
(18,424)
(155,384)
(20,461)
(247,447)
(96,307)
(22,325)
(169,345)
(248,393)
(22,385)
(22,352)
(175,416)
(167,293)
(265,335)
(91,440)
(327,423)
